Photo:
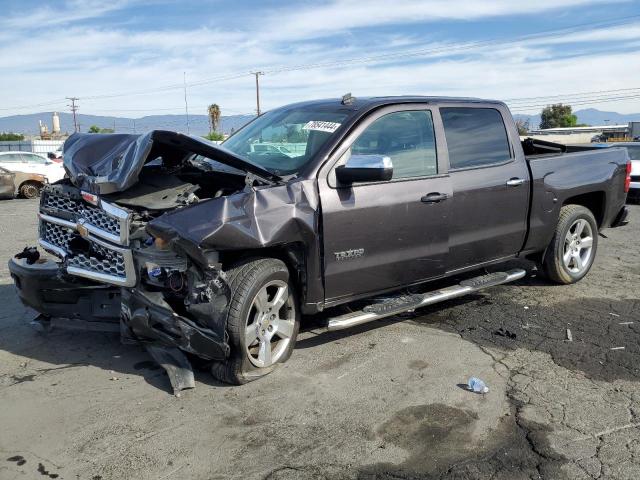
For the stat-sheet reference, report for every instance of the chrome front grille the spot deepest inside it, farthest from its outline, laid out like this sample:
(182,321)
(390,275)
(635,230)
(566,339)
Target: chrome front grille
(106,221)
(56,235)
(59,201)
(101,220)
(92,240)
(110,263)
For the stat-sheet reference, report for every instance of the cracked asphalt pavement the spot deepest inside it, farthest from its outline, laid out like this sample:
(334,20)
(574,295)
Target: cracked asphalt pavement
(382,401)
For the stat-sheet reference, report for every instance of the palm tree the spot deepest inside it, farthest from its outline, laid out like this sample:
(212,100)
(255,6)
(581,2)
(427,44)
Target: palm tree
(214,117)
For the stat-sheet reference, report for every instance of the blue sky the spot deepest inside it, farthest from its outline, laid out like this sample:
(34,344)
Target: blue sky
(127,57)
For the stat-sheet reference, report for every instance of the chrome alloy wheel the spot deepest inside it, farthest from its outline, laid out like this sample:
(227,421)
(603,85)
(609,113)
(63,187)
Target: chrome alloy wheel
(578,246)
(270,324)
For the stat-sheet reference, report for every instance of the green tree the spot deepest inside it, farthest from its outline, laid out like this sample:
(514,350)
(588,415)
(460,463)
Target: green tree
(214,137)
(214,117)
(558,116)
(97,129)
(10,137)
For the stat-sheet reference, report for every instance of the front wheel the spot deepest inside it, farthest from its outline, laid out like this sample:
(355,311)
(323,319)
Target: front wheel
(572,250)
(263,320)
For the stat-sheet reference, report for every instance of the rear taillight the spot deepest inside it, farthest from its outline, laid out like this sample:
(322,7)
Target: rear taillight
(627,179)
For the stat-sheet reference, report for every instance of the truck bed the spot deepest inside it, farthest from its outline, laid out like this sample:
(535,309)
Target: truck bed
(560,173)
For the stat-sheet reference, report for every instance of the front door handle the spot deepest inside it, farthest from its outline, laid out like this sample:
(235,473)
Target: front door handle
(515,182)
(434,197)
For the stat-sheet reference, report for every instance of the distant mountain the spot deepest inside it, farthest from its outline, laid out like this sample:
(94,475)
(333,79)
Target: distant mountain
(590,116)
(198,124)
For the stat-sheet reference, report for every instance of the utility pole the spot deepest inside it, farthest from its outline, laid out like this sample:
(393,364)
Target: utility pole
(186,106)
(257,74)
(74,109)
(134,125)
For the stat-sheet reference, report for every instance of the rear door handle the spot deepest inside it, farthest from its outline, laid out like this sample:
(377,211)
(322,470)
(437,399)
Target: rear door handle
(514,182)
(434,197)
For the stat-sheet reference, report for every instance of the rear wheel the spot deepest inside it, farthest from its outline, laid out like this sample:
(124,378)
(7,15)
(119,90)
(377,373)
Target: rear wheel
(30,189)
(263,320)
(572,250)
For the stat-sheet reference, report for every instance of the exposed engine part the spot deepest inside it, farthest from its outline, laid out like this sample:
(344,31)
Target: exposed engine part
(208,298)
(157,191)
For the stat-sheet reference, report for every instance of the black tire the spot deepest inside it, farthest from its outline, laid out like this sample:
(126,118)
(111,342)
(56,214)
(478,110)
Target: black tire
(30,189)
(554,264)
(246,280)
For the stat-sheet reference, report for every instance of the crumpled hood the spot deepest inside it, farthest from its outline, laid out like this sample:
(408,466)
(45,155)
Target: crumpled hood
(108,163)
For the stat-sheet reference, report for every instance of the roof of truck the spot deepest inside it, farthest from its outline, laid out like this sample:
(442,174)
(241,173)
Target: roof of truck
(368,102)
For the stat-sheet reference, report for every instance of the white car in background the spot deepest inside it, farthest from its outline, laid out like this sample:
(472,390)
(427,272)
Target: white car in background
(633,149)
(32,163)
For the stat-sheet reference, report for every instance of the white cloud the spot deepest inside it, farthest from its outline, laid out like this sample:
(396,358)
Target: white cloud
(342,15)
(72,11)
(84,60)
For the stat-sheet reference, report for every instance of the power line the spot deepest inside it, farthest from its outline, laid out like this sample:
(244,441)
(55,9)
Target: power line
(522,108)
(33,105)
(569,94)
(571,97)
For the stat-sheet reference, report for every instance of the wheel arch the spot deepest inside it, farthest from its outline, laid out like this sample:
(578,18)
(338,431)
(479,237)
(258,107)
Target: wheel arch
(292,254)
(594,201)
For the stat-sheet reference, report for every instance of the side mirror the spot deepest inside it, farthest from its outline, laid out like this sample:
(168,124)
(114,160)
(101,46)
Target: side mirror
(365,168)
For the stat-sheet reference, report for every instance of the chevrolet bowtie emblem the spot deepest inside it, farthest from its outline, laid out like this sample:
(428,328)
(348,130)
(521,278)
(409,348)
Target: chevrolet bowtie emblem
(82,230)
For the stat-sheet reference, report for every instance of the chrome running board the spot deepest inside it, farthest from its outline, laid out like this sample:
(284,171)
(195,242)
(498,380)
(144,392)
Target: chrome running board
(406,303)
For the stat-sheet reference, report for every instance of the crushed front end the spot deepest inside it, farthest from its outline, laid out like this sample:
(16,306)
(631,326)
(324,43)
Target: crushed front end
(110,272)
(137,233)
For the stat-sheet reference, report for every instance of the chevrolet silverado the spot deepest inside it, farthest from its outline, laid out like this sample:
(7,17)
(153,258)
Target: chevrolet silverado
(216,251)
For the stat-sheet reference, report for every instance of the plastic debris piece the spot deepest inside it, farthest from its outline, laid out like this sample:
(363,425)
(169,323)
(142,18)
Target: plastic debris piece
(625,323)
(613,314)
(617,348)
(569,336)
(476,385)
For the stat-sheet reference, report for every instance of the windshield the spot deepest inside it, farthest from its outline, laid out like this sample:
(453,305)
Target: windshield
(284,140)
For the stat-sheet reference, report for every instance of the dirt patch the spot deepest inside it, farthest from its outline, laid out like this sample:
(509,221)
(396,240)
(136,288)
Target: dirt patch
(418,365)
(433,434)
(439,440)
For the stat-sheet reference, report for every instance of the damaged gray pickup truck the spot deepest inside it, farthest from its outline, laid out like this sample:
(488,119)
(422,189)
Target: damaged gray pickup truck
(195,249)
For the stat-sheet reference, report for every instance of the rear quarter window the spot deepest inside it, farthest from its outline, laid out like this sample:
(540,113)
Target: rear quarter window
(475,137)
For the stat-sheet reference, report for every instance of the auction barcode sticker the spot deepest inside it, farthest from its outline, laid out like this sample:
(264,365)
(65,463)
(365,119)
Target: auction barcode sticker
(321,126)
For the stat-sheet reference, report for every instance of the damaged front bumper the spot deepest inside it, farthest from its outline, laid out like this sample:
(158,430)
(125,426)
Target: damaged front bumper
(111,270)
(45,287)
(144,316)
(147,318)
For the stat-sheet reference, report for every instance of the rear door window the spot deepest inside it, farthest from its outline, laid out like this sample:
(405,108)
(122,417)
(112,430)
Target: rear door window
(476,137)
